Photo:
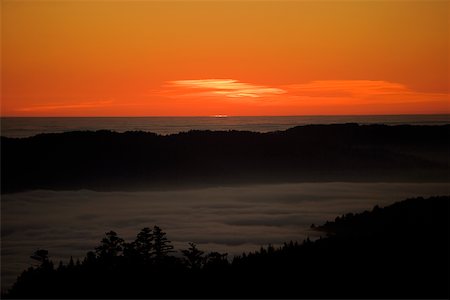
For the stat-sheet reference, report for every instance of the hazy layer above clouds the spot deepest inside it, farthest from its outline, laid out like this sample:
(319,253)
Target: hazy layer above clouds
(225,219)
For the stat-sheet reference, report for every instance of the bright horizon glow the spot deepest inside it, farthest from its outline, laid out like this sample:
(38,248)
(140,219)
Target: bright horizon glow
(235,58)
(217,116)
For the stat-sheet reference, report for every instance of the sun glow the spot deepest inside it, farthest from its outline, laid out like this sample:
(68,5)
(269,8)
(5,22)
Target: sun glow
(197,58)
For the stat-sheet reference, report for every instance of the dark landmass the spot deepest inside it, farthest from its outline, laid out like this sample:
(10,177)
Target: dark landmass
(400,251)
(105,160)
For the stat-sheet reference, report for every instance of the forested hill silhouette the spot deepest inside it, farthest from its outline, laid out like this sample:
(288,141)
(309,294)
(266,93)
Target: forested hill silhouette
(400,251)
(105,160)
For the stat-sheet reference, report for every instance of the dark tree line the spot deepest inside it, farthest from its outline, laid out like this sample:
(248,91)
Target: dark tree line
(399,251)
(117,263)
(106,160)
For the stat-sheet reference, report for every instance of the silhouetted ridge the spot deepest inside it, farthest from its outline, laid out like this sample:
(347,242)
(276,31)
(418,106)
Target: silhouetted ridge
(400,251)
(382,220)
(106,160)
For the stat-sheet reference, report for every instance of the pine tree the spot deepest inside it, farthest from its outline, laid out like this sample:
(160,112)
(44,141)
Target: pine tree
(111,246)
(41,256)
(144,243)
(193,257)
(161,245)
(60,266)
(71,264)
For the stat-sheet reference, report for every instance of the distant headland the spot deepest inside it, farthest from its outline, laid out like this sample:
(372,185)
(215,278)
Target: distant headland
(107,160)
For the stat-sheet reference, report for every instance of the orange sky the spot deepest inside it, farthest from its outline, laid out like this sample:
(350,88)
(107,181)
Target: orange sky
(186,58)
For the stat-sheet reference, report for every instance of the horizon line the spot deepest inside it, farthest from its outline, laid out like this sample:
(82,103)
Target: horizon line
(224,116)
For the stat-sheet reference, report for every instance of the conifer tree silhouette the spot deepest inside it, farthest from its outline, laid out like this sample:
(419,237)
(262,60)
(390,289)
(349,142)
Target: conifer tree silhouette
(71,264)
(161,245)
(41,256)
(193,257)
(111,245)
(144,244)
(217,258)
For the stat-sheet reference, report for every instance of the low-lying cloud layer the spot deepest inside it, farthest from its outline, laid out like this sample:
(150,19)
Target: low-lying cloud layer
(223,87)
(225,219)
(212,96)
(314,97)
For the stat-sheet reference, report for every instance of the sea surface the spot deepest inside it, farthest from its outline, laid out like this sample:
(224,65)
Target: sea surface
(25,127)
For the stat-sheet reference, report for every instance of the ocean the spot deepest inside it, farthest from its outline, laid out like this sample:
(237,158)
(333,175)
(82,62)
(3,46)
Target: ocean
(25,127)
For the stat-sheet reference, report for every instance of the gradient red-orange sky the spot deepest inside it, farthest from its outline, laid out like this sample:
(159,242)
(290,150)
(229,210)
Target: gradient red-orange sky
(186,58)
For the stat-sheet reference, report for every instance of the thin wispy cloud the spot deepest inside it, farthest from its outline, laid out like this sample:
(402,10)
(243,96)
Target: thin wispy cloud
(315,89)
(223,87)
(234,97)
(359,88)
(49,107)
(347,92)
(348,87)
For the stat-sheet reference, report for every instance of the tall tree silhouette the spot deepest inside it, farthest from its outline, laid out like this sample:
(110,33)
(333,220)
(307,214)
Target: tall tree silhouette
(216,260)
(193,257)
(111,245)
(161,245)
(144,243)
(41,256)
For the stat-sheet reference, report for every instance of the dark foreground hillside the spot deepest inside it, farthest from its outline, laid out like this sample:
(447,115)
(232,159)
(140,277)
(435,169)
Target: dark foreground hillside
(106,160)
(400,251)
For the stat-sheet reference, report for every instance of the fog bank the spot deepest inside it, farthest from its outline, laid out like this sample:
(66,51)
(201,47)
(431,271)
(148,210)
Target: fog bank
(225,219)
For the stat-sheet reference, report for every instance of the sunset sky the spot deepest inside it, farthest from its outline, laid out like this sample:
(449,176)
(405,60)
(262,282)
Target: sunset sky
(186,58)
